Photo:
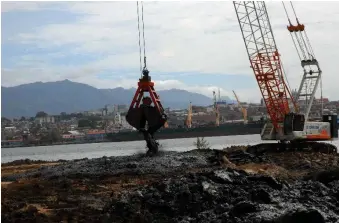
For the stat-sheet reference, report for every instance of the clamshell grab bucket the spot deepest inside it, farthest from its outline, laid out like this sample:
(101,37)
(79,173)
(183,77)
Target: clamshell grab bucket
(153,117)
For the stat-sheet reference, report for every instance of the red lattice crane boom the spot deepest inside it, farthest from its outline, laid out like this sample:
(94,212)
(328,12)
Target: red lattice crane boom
(264,58)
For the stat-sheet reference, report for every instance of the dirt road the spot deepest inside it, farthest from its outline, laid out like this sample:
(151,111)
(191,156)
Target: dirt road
(195,186)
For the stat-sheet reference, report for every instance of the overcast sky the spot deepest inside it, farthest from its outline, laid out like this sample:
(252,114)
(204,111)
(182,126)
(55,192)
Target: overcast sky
(196,46)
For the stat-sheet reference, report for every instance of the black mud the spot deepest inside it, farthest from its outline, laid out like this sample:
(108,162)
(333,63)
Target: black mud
(195,186)
(227,195)
(139,164)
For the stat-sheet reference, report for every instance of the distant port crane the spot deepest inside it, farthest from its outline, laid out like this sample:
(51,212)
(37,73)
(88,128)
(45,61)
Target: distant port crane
(243,110)
(216,109)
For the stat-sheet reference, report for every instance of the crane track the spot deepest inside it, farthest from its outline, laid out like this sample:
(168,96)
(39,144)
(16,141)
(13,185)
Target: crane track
(292,147)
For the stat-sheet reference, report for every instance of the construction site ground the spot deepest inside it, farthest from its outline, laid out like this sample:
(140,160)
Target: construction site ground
(195,186)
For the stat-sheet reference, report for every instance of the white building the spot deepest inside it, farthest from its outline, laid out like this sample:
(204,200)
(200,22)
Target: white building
(45,119)
(10,129)
(73,135)
(117,118)
(209,109)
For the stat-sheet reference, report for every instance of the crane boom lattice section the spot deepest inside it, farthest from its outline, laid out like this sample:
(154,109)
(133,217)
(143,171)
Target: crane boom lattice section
(264,58)
(312,72)
(309,85)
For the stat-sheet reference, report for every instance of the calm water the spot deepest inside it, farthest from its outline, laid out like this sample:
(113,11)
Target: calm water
(95,150)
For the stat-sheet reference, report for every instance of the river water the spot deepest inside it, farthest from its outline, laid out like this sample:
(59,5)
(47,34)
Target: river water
(95,150)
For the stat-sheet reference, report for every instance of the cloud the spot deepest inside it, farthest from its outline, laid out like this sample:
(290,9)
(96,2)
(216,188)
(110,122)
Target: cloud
(181,38)
(21,6)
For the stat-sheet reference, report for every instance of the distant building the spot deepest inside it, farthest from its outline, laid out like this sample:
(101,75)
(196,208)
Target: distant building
(209,109)
(45,119)
(95,135)
(325,100)
(198,108)
(122,108)
(117,118)
(73,135)
(10,129)
(256,117)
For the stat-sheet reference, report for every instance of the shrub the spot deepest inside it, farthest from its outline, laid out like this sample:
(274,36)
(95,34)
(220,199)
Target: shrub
(201,143)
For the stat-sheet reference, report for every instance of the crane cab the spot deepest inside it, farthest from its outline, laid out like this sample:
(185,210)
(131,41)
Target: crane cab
(296,128)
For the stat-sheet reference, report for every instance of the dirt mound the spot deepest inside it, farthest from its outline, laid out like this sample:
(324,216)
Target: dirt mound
(140,164)
(289,166)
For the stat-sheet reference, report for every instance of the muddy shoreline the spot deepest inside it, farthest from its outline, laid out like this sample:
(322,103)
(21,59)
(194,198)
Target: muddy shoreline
(195,186)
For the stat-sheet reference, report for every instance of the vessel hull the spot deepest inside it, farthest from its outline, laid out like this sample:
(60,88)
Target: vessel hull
(207,131)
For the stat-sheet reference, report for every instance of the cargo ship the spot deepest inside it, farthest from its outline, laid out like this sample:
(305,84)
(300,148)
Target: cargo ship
(224,129)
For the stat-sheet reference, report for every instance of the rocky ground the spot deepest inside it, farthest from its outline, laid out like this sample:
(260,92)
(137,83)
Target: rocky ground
(194,186)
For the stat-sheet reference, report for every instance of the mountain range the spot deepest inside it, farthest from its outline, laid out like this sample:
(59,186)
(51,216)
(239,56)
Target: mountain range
(67,96)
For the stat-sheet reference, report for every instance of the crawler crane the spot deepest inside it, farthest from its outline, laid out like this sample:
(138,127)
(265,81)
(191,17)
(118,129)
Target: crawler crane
(287,124)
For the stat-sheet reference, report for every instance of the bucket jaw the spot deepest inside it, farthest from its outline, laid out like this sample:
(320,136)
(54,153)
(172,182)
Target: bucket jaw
(136,116)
